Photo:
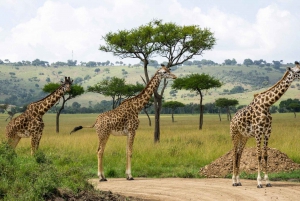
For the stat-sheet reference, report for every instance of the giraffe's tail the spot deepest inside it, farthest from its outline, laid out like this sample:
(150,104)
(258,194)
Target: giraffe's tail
(76,129)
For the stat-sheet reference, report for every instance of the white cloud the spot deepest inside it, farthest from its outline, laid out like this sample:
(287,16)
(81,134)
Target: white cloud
(57,28)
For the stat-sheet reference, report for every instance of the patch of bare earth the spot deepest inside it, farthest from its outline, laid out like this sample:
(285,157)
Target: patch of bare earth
(215,187)
(277,162)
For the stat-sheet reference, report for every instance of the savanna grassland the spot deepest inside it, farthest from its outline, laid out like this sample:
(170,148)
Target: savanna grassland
(67,161)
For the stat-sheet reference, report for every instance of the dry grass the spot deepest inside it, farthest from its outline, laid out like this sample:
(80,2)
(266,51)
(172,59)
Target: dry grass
(182,150)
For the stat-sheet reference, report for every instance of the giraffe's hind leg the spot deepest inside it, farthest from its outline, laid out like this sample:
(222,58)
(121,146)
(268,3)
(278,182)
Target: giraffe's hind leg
(102,143)
(13,142)
(239,143)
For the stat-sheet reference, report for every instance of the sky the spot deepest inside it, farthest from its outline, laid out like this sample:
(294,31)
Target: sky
(59,30)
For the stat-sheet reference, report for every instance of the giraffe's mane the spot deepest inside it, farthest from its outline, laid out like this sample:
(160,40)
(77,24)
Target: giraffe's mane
(283,77)
(47,95)
(128,99)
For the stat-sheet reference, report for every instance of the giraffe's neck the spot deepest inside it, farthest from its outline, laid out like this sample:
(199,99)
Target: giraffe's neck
(143,98)
(42,106)
(273,94)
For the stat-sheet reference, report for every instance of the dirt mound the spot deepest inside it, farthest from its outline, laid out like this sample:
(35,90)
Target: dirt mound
(63,194)
(277,162)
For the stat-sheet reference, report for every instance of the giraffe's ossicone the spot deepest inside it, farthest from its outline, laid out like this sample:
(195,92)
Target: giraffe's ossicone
(255,120)
(123,120)
(30,123)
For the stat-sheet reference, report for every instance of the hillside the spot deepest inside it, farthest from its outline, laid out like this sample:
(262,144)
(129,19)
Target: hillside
(27,81)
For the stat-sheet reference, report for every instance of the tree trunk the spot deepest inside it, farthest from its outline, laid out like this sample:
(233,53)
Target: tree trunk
(220,114)
(201,111)
(228,113)
(147,116)
(172,115)
(58,114)
(295,114)
(157,107)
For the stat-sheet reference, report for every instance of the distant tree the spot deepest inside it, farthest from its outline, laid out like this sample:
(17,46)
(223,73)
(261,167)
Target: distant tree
(197,83)
(291,105)
(97,70)
(226,103)
(75,91)
(1,62)
(91,64)
(173,105)
(230,62)
(72,62)
(116,88)
(248,62)
(277,64)
(237,89)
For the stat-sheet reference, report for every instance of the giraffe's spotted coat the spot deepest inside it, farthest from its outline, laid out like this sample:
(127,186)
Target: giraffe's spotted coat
(30,123)
(255,120)
(123,120)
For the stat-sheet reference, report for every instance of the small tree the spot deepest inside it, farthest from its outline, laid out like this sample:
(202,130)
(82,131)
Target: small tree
(226,103)
(197,83)
(117,89)
(173,105)
(75,91)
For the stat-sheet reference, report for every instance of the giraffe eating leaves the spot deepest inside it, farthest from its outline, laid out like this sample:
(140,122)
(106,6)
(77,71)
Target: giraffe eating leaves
(255,120)
(123,120)
(30,123)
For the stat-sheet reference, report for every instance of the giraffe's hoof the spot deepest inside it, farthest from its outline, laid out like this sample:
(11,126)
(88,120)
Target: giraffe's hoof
(237,184)
(131,178)
(103,179)
(268,185)
(259,186)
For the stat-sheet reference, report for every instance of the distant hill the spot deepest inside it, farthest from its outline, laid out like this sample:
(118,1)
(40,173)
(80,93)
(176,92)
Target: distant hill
(26,82)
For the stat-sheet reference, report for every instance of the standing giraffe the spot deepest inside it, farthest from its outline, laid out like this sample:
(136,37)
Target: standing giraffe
(255,120)
(30,123)
(123,121)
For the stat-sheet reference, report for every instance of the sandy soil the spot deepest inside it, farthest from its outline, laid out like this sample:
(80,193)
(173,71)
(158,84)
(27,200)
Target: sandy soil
(175,189)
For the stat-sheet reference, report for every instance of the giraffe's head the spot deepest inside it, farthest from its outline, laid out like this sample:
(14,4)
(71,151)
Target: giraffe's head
(66,85)
(165,72)
(295,70)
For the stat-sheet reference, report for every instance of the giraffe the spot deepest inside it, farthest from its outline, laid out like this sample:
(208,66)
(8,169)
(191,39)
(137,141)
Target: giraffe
(254,120)
(123,121)
(30,123)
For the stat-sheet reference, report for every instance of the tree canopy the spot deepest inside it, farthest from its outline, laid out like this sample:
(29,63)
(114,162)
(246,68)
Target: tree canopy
(173,105)
(75,91)
(197,83)
(176,43)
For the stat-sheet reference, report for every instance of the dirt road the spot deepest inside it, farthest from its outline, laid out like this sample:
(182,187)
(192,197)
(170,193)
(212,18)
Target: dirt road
(179,189)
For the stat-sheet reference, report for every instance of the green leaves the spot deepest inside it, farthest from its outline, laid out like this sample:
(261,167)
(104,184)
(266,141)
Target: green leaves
(196,82)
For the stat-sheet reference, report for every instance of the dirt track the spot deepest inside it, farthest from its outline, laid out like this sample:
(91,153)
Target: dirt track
(175,189)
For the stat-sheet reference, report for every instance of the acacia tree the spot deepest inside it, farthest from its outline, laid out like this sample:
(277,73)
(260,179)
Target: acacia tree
(198,83)
(175,43)
(75,91)
(117,89)
(173,105)
(226,103)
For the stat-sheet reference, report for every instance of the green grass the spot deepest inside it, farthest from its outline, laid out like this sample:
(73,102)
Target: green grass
(67,161)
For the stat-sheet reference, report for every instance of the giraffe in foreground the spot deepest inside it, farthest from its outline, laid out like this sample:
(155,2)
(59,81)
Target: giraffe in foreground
(30,123)
(255,121)
(123,120)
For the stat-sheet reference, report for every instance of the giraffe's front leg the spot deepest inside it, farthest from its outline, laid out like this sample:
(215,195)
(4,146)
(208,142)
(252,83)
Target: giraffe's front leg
(258,154)
(130,140)
(265,154)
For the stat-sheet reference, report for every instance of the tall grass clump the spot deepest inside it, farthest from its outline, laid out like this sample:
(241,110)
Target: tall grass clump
(36,178)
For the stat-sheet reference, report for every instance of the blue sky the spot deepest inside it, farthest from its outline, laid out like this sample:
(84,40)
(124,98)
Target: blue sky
(51,30)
